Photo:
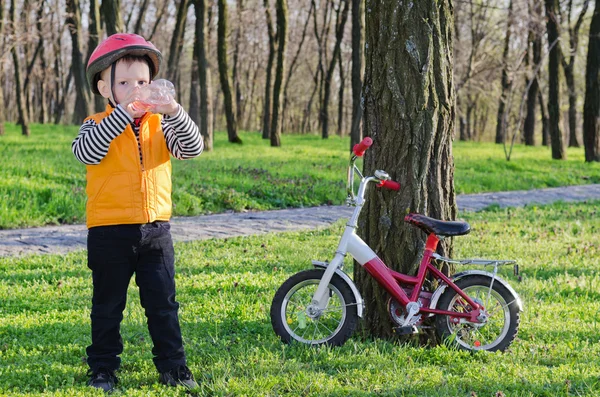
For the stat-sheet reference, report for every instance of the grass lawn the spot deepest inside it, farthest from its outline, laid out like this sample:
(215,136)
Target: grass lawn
(225,287)
(41,182)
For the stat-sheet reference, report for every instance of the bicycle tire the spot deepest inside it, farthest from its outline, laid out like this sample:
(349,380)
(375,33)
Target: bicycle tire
(332,327)
(497,333)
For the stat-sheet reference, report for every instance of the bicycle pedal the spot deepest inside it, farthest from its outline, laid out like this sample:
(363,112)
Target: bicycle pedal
(409,330)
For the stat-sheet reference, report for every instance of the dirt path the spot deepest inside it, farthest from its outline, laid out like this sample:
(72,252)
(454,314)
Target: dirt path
(66,238)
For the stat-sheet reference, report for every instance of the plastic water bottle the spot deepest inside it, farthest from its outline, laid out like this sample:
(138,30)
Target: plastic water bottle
(158,92)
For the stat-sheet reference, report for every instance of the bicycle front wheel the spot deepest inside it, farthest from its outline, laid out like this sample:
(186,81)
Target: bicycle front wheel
(294,318)
(500,329)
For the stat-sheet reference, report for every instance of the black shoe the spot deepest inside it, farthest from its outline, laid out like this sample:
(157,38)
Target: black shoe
(178,376)
(103,378)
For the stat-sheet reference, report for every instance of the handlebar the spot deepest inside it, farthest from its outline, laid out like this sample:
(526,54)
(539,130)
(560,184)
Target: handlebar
(391,185)
(360,148)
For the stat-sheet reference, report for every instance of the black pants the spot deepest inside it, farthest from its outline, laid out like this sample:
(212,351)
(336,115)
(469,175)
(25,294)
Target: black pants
(115,253)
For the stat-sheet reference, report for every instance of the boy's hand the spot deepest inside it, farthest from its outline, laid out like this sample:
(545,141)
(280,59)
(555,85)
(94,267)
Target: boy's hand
(169,109)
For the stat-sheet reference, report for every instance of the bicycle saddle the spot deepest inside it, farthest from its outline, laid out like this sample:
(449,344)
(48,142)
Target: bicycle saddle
(439,228)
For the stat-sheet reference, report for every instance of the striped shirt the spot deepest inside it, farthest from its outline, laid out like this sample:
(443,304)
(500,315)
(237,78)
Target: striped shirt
(181,135)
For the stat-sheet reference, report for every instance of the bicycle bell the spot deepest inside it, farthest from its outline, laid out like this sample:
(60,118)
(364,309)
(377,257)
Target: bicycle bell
(382,175)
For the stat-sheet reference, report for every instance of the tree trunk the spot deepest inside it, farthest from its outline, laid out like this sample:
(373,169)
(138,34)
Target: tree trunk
(293,65)
(591,108)
(556,139)
(81,110)
(93,41)
(568,68)
(236,63)
(535,39)
(111,13)
(282,26)
(339,35)
(23,116)
(409,112)
(501,120)
(266,127)
(177,42)
(224,73)
(204,114)
(340,123)
(545,121)
(140,19)
(2,39)
(357,44)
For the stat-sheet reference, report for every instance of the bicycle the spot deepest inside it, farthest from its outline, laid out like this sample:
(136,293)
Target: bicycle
(473,309)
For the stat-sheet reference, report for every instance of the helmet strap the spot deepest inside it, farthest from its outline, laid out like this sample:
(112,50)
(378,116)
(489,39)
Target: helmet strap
(112,83)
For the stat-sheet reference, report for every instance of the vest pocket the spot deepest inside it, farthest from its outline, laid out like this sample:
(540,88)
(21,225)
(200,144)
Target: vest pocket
(114,201)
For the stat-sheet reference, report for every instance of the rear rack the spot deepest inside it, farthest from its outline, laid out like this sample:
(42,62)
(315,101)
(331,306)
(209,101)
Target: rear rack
(480,262)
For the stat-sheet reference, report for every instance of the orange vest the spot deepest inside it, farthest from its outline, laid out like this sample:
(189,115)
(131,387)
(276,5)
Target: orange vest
(121,190)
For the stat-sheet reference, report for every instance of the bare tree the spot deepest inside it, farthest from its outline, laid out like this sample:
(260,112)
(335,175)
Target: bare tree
(23,116)
(2,38)
(569,67)
(357,43)
(93,41)
(111,14)
(282,26)
(409,111)
(224,73)
(340,22)
(533,60)
(591,108)
(556,139)
(501,122)
(266,127)
(177,42)
(203,71)
(77,62)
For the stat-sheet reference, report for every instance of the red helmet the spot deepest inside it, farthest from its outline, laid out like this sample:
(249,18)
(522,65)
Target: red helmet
(115,47)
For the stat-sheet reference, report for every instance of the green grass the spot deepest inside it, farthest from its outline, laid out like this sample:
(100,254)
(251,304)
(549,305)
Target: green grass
(41,182)
(225,287)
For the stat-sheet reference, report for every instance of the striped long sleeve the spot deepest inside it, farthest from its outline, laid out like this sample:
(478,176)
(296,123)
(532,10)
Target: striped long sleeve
(92,143)
(182,135)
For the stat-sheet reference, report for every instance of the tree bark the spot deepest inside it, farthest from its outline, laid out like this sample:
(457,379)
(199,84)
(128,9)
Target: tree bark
(545,121)
(2,39)
(266,127)
(501,120)
(177,42)
(339,35)
(140,19)
(568,68)
(357,44)
(205,115)
(293,65)
(224,73)
(409,112)
(111,13)
(23,116)
(236,63)
(282,26)
(556,139)
(591,107)
(535,41)
(81,110)
(340,124)
(93,41)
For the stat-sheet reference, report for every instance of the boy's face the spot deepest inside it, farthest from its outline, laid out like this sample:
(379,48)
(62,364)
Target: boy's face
(128,78)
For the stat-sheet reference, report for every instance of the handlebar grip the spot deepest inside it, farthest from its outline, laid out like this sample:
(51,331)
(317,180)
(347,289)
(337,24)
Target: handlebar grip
(391,185)
(360,148)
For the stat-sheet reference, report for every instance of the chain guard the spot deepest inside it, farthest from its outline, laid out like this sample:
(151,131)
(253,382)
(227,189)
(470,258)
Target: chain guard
(398,313)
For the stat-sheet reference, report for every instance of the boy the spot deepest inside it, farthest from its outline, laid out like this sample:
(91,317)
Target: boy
(127,156)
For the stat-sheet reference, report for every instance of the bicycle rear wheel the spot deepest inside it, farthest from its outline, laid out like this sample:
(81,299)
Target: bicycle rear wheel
(501,327)
(294,318)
